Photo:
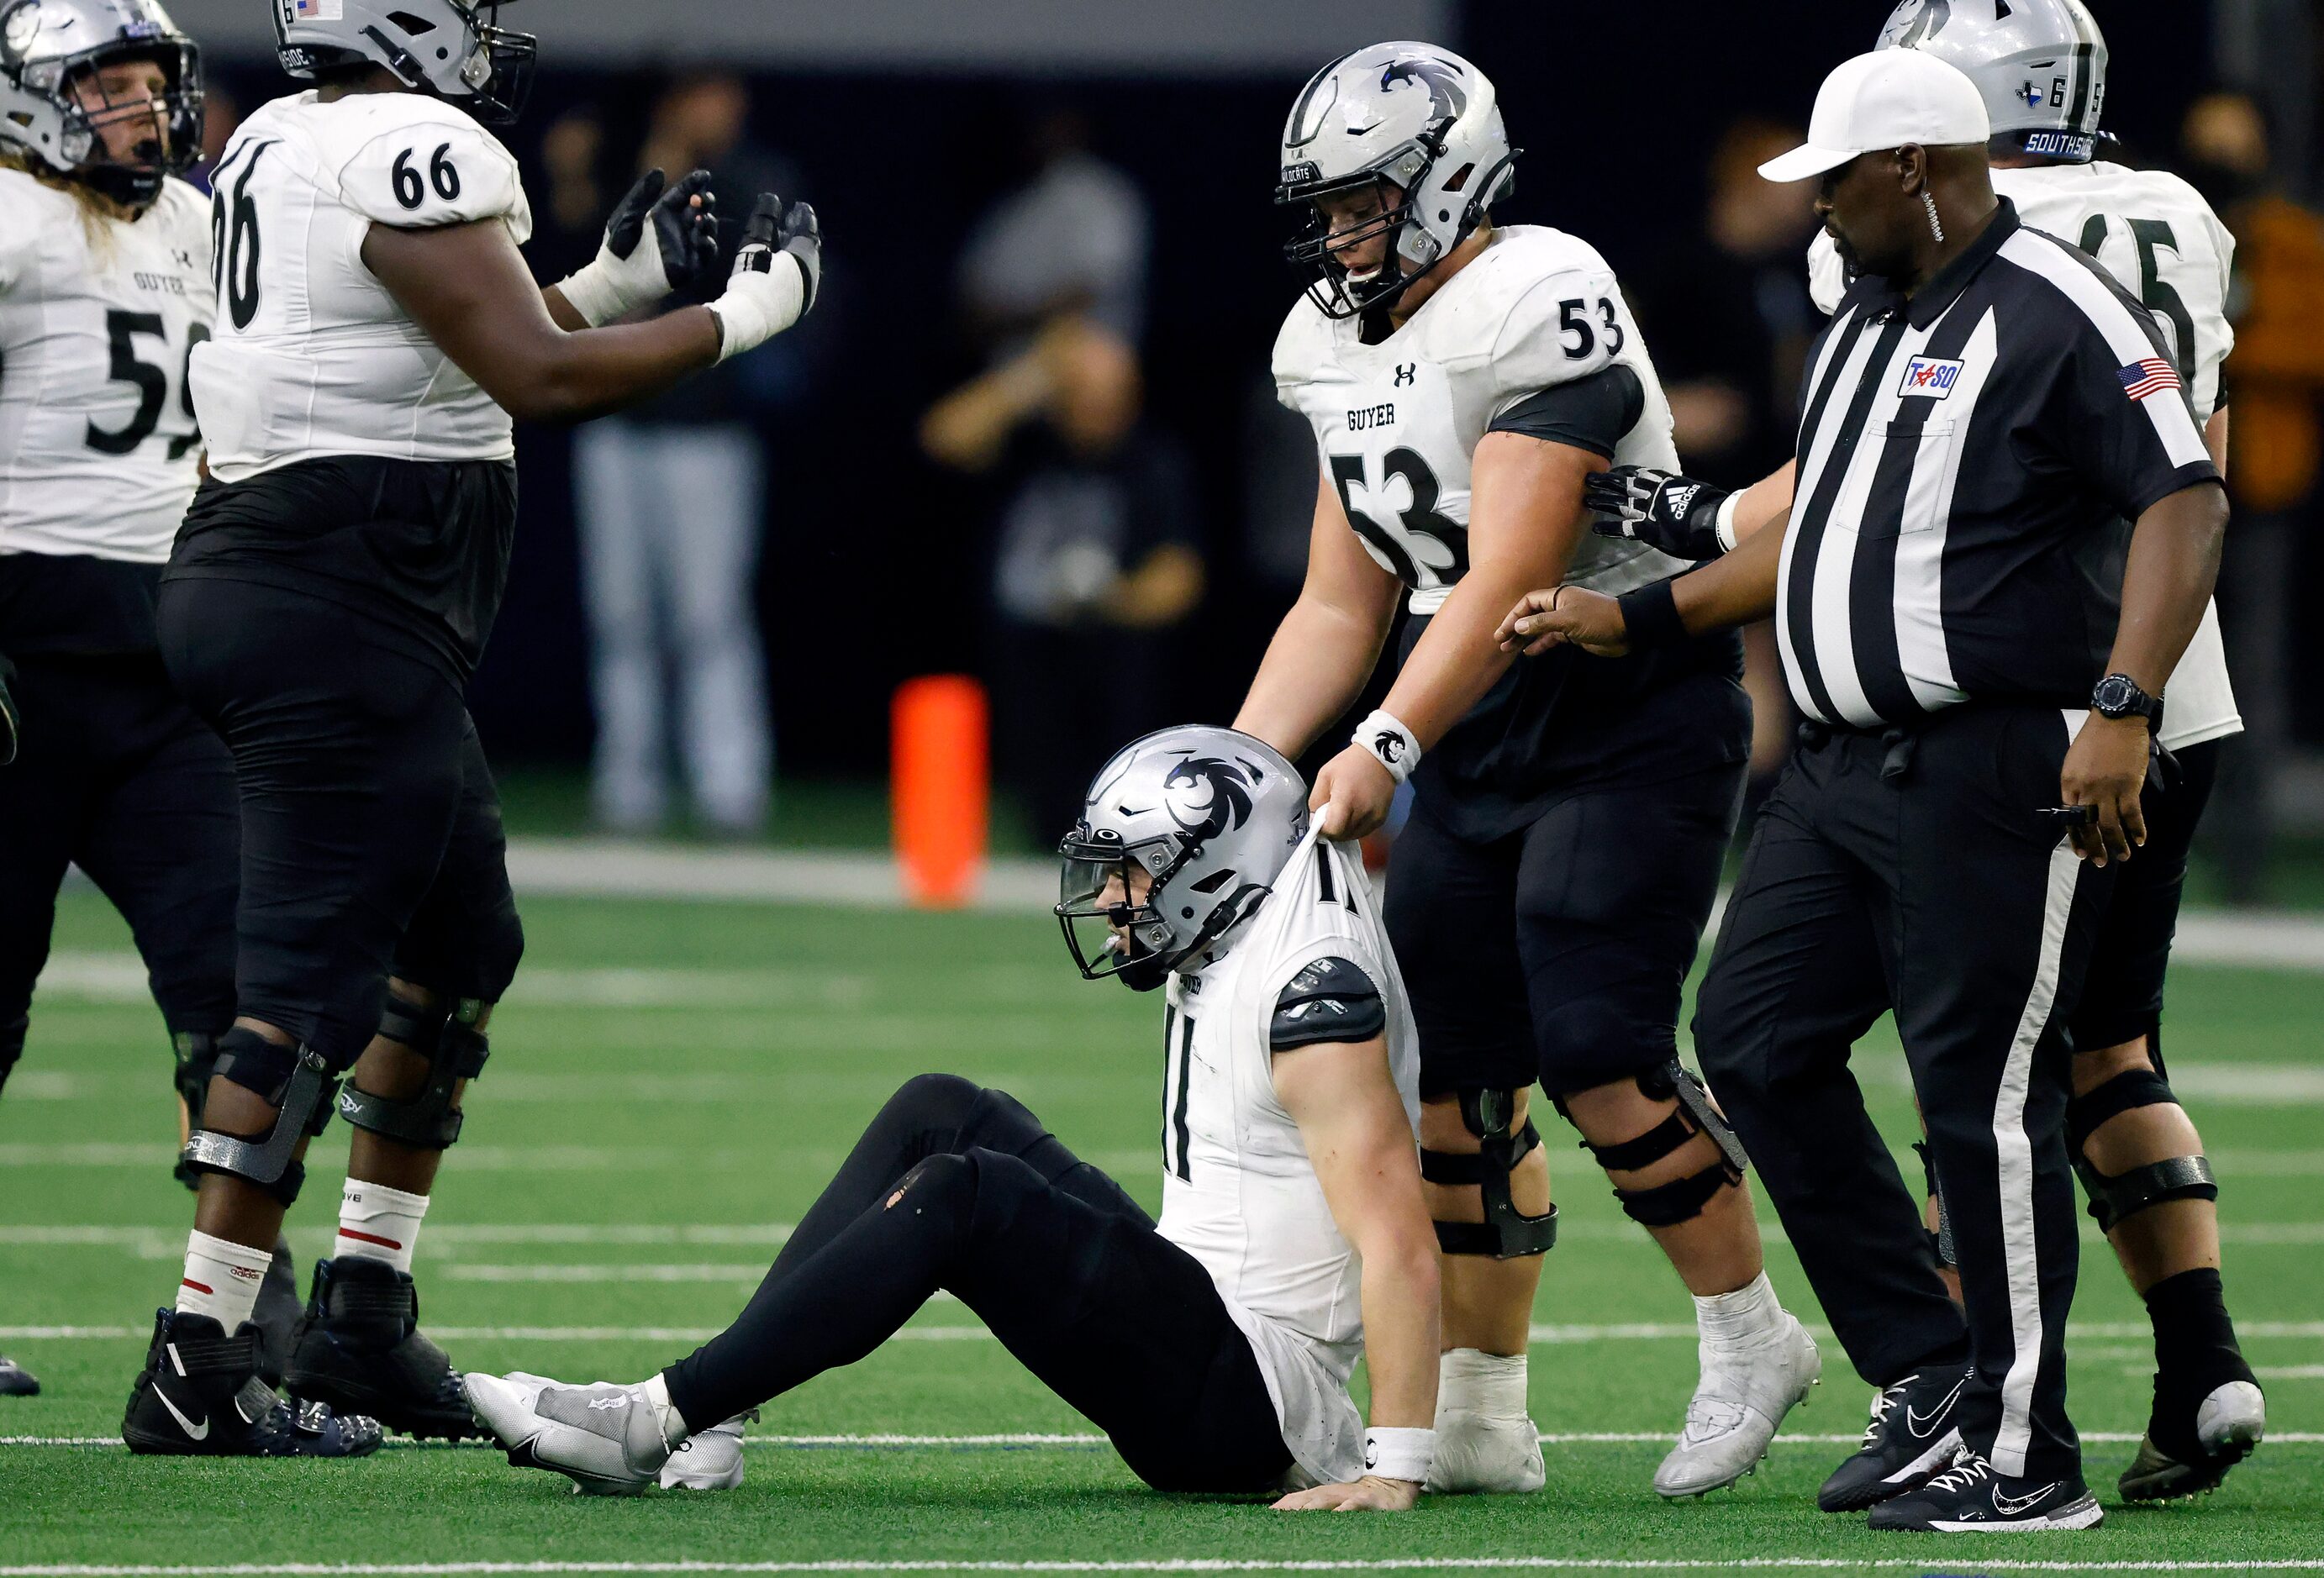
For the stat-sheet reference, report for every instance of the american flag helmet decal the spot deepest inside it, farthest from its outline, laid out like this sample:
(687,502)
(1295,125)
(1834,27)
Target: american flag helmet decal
(2151,375)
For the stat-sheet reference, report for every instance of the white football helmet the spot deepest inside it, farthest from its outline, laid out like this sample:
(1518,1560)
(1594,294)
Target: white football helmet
(2040,64)
(453,49)
(46,44)
(1210,815)
(1407,115)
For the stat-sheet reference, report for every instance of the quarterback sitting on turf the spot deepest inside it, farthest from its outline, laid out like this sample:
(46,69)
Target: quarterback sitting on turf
(1213,1348)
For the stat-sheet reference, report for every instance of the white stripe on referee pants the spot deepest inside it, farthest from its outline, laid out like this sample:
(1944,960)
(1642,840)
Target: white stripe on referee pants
(2020,1257)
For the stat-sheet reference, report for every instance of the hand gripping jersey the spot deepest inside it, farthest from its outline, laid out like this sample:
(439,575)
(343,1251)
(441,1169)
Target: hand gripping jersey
(2155,234)
(312,355)
(98,449)
(1239,1192)
(1397,423)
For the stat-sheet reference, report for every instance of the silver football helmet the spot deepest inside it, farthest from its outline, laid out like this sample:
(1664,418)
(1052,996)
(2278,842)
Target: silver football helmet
(1203,820)
(453,49)
(49,53)
(2041,65)
(1412,116)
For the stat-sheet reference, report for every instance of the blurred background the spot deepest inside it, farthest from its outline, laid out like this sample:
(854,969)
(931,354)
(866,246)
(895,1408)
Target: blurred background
(1028,434)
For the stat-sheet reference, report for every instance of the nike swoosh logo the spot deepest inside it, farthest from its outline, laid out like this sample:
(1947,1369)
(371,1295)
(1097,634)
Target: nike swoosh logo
(200,1432)
(1921,1423)
(2011,1506)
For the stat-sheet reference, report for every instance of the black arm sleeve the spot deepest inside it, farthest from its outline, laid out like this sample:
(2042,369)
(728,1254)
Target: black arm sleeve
(1331,1000)
(1590,413)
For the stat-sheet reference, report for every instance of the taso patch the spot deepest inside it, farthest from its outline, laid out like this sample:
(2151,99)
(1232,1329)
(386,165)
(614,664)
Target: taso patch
(1931,376)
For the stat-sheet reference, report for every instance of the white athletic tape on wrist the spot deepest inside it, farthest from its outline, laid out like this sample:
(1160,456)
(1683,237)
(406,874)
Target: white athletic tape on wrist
(757,306)
(592,292)
(1399,1455)
(1725,520)
(1392,744)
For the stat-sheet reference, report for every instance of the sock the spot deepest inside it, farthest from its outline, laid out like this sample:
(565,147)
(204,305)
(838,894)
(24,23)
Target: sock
(673,1427)
(222,1280)
(2194,1337)
(1491,1386)
(1745,1318)
(379,1224)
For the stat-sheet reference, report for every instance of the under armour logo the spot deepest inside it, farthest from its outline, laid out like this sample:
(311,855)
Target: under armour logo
(185,259)
(1405,373)
(1389,748)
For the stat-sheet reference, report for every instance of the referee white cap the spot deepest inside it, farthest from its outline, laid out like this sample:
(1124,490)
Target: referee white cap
(1885,99)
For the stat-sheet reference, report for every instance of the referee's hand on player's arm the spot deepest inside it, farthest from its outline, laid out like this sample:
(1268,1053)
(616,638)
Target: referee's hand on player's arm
(1562,616)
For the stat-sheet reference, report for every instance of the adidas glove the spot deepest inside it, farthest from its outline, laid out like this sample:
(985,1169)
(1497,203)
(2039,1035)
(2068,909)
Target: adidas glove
(1678,515)
(766,294)
(625,275)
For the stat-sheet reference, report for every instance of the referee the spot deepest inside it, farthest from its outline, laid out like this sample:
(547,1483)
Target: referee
(1979,637)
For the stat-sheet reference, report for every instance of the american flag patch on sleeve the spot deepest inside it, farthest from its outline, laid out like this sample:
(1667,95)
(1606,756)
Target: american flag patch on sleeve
(2151,376)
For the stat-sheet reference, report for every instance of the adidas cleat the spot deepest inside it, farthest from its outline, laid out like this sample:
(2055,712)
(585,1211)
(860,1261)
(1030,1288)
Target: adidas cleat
(1736,1410)
(2228,1424)
(200,1395)
(604,1438)
(360,1349)
(1909,1440)
(1972,1498)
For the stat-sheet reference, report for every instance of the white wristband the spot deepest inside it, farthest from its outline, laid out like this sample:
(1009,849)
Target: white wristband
(1399,1455)
(1725,520)
(1389,741)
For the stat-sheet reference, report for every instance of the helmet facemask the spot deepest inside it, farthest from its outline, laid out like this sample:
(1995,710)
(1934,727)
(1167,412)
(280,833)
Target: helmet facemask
(75,87)
(499,68)
(1108,907)
(1315,253)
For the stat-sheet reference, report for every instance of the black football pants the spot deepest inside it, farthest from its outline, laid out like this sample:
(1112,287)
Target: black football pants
(1914,870)
(957,1188)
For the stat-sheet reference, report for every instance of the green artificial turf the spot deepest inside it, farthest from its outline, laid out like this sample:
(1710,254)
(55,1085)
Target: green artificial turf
(700,1069)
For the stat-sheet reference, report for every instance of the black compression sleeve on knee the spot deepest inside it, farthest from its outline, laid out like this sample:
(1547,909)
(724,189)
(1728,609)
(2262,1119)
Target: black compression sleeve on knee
(1680,1200)
(2132,1088)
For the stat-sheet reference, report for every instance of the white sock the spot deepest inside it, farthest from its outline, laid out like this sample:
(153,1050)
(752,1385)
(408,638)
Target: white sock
(379,1224)
(1745,1318)
(673,1427)
(222,1280)
(1491,1386)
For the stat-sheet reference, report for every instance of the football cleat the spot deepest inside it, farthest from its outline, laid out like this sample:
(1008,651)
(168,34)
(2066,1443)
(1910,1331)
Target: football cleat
(200,1396)
(711,1461)
(2228,1424)
(1911,1438)
(15,1381)
(1480,1454)
(1973,1497)
(1737,1407)
(604,1438)
(360,1349)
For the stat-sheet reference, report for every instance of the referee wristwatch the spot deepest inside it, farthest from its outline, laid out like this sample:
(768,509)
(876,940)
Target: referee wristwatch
(2119,696)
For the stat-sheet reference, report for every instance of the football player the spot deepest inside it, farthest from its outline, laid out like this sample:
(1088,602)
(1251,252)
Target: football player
(1569,821)
(1213,1348)
(2041,66)
(327,598)
(103,293)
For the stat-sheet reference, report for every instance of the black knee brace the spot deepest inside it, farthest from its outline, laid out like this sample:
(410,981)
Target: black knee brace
(298,1084)
(2126,1194)
(1681,1200)
(1941,1236)
(197,1057)
(1505,1232)
(455,1050)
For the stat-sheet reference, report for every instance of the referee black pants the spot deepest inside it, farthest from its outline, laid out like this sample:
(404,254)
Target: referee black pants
(1914,870)
(957,1188)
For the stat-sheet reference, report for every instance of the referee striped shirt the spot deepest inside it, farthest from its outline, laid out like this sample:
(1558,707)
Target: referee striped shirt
(1970,461)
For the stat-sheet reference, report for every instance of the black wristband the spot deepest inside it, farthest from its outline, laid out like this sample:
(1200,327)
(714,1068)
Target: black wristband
(1650,617)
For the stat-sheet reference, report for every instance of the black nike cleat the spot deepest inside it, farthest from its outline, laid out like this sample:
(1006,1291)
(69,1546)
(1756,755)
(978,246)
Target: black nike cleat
(1972,1498)
(2188,1452)
(360,1349)
(200,1396)
(15,1381)
(278,1314)
(1910,1439)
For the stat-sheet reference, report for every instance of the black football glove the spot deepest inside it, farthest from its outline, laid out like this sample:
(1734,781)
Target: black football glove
(684,233)
(1676,514)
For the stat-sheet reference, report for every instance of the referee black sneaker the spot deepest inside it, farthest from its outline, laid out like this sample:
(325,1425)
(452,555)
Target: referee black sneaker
(360,1349)
(200,1396)
(15,1381)
(1912,1436)
(1972,1497)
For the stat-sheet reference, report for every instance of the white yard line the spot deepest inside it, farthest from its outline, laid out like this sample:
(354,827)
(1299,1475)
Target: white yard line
(1154,1565)
(1076,1442)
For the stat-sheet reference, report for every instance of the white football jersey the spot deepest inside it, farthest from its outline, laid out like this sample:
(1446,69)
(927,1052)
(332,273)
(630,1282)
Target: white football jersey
(98,449)
(1239,1192)
(2158,237)
(311,356)
(1396,422)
